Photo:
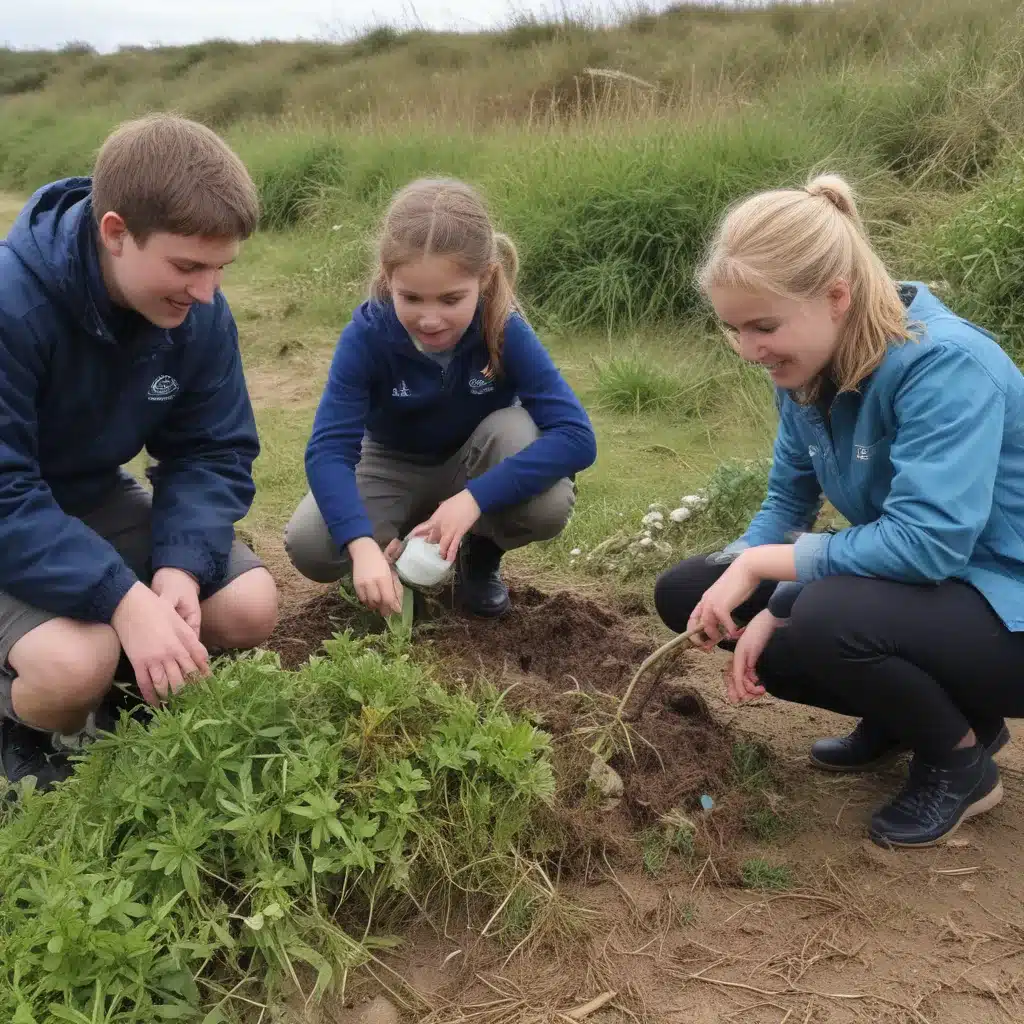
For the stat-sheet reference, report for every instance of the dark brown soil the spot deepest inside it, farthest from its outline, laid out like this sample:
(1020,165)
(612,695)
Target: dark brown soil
(566,660)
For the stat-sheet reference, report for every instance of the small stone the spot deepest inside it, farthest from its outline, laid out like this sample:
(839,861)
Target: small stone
(645,542)
(608,783)
(379,1011)
(575,552)
(679,515)
(658,526)
(652,517)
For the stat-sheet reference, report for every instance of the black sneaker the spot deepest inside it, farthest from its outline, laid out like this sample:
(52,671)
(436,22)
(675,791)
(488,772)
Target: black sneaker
(25,752)
(934,802)
(866,748)
(480,586)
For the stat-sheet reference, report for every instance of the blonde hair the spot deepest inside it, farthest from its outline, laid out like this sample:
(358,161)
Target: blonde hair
(797,243)
(166,173)
(445,217)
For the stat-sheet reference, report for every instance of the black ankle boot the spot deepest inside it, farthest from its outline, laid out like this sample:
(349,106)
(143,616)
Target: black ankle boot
(935,800)
(867,748)
(863,749)
(25,751)
(481,588)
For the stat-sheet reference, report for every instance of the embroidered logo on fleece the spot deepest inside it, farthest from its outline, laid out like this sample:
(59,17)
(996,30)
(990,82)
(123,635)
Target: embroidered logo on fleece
(480,385)
(401,391)
(163,389)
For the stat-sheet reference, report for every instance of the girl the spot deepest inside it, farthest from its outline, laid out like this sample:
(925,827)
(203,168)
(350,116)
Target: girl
(910,420)
(442,414)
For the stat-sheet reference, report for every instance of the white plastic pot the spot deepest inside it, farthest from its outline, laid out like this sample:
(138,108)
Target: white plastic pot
(421,564)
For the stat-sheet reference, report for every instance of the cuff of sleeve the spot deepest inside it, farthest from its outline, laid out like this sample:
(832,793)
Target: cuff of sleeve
(202,564)
(109,592)
(345,532)
(780,604)
(810,553)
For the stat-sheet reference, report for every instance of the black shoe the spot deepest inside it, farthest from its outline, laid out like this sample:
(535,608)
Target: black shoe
(866,748)
(25,752)
(934,802)
(862,750)
(481,588)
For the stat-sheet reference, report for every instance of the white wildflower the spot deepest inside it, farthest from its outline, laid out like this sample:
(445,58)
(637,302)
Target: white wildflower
(646,542)
(678,515)
(652,517)
(575,552)
(335,227)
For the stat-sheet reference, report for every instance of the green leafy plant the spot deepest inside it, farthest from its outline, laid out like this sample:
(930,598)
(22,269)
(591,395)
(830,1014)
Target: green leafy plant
(255,835)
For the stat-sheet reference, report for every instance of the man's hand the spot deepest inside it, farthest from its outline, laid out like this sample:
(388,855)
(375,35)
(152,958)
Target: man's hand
(161,646)
(453,519)
(182,592)
(377,585)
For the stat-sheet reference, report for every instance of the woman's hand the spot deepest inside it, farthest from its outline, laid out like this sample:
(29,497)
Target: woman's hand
(713,613)
(743,683)
(453,519)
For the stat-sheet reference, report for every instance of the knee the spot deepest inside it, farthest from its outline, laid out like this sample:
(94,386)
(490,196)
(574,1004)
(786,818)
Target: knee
(68,661)
(678,590)
(243,614)
(311,550)
(548,515)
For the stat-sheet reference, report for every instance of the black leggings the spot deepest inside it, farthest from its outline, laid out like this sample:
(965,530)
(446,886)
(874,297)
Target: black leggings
(921,663)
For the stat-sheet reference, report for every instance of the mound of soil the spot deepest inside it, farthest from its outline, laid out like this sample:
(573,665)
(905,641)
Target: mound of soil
(566,660)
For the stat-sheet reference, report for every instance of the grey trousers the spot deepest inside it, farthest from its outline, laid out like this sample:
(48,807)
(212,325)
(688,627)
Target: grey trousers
(400,492)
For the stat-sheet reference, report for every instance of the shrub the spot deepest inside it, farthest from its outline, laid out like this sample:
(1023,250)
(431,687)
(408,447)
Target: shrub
(238,836)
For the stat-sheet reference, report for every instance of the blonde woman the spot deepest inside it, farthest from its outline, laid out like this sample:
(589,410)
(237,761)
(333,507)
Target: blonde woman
(910,420)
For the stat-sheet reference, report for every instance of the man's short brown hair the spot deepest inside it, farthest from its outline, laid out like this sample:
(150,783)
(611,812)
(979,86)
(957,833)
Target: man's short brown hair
(166,173)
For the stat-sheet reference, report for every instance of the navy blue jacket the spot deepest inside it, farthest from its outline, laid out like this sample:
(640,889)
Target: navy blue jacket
(380,384)
(83,388)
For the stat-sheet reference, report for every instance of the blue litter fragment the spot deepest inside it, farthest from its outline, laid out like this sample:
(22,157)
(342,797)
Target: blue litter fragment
(706,802)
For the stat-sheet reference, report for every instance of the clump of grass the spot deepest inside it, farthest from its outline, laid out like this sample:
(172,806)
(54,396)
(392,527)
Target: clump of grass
(758,873)
(261,831)
(751,765)
(675,835)
(765,824)
(633,384)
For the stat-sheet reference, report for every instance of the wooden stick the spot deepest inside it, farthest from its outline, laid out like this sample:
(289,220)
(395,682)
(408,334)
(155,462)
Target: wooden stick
(588,1008)
(662,652)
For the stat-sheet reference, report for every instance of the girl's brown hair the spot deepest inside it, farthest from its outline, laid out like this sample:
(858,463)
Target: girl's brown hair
(797,243)
(445,217)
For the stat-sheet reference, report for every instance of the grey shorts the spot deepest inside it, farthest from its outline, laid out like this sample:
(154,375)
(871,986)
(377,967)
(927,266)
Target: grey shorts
(123,519)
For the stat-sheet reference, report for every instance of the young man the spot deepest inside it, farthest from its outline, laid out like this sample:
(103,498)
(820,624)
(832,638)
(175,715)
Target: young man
(114,337)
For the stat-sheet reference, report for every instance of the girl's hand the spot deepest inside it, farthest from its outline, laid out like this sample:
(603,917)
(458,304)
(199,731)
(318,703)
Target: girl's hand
(453,519)
(742,682)
(714,611)
(377,585)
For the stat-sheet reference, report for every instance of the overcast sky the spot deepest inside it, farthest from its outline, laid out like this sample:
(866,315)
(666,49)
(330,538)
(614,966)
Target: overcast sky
(106,24)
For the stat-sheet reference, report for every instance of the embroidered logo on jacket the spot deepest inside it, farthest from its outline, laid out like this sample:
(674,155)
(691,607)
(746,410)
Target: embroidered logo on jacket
(861,452)
(480,385)
(401,391)
(163,389)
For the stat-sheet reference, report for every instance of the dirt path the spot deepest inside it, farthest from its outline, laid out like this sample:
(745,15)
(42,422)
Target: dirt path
(860,935)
